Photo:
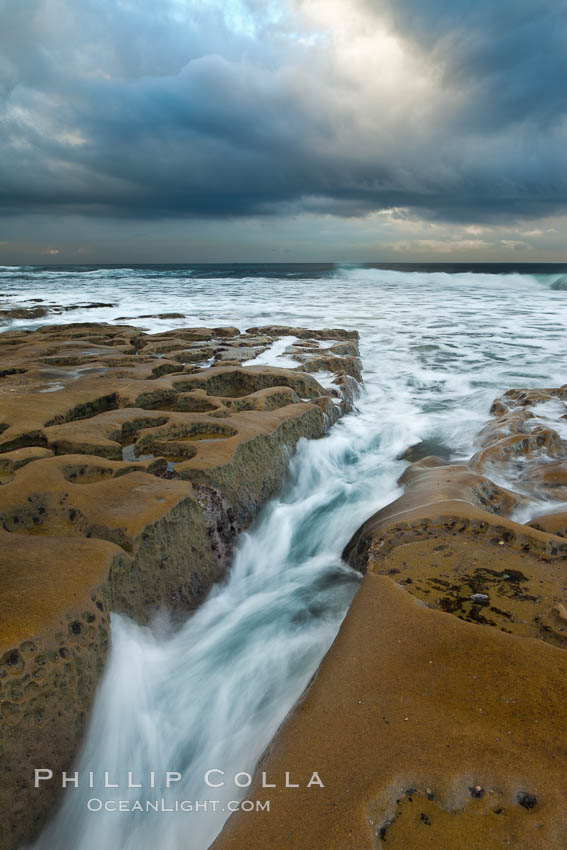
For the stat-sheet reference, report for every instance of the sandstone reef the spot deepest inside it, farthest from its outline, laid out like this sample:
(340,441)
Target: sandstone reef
(437,718)
(129,463)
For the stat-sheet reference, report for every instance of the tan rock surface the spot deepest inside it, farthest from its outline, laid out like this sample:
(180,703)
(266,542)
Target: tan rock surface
(54,634)
(412,698)
(521,439)
(137,419)
(552,523)
(129,462)
(438,717)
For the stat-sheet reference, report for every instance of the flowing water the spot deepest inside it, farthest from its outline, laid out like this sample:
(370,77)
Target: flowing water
(437,347)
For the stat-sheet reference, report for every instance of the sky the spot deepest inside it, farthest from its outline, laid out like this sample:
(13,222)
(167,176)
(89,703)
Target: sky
(283,130)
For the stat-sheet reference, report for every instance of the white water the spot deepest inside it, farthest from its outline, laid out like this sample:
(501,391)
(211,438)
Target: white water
(437,349)
(275,355)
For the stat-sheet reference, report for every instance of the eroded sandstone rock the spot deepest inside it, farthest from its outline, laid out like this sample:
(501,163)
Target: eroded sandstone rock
(54,634)
(437,717)
(129,462)
(412,711)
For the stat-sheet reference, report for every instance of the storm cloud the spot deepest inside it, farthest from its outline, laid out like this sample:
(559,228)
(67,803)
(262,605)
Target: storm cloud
(454,111)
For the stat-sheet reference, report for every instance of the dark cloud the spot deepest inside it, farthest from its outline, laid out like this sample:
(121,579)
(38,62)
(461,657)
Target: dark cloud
(149,110)
(511,55)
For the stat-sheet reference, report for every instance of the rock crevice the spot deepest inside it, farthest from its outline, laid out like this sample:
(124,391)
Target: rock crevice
(129,463)
(437,717)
